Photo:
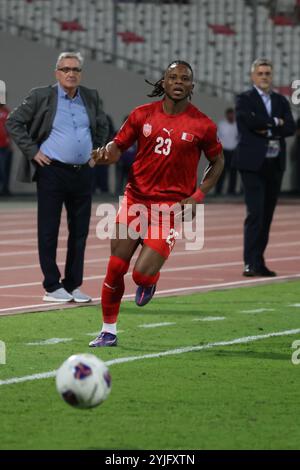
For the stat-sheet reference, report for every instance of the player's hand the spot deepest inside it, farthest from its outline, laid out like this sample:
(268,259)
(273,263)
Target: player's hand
(104,155)
(41,159)
(189,211)
(98,156)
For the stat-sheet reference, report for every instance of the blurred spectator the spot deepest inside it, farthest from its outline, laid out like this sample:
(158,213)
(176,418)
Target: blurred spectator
(5,153)
(228,134)
(264,120)
(295,159)
(124,165)
(56,127)
(101,171)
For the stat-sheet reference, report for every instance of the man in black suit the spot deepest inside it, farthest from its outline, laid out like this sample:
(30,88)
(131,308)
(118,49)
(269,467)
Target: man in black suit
(264,119)
(56,127)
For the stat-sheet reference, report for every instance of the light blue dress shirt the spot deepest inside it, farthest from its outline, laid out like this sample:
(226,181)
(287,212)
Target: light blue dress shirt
(70,139)
(266,97)
(273,146)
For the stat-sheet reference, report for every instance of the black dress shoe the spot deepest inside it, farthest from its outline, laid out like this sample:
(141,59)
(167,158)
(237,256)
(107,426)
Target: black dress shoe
(249,271)
(264,271)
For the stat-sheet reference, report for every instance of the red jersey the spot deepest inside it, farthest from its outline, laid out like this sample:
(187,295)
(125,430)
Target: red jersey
(4,137)
(169,149)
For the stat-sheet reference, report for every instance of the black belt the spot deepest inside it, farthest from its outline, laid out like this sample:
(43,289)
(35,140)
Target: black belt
(70,166)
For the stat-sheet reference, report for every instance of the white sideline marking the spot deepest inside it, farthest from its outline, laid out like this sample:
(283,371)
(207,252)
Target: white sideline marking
(171,352)
(49,341)
(174,291)
(209,319)
(294,305)
(49,304)
(166,270)
(258,310)
(155,325)
(198,288)
(104,259)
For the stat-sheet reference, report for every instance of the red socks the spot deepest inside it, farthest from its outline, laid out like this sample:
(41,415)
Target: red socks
(144,279)
(113,288)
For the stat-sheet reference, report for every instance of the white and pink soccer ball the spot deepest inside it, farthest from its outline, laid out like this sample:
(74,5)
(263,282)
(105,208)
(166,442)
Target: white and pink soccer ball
(83,381)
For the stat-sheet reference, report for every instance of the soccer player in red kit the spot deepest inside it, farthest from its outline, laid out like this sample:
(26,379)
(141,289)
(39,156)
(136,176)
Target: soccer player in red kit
(170,133)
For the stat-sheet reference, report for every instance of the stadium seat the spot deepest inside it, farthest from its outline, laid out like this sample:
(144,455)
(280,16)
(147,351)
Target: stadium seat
(216,37)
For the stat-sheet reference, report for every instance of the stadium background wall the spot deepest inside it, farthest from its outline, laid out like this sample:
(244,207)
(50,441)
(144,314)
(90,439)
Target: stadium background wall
(27,64)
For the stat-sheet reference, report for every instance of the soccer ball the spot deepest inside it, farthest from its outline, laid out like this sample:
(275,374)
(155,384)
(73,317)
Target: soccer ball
(83,381)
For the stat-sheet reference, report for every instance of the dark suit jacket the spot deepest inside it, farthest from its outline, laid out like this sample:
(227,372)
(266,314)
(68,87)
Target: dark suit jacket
(30,124)
(251,116)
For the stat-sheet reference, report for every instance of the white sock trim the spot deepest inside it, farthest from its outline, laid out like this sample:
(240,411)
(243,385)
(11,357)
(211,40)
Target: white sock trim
(110,328)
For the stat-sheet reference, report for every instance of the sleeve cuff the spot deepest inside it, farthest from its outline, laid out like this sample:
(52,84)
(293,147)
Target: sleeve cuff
(119,144)
(198,195)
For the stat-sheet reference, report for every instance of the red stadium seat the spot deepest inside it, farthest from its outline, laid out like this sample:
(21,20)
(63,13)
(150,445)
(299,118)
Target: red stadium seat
(129,37)
(282,20)
(222,29)
(73,25)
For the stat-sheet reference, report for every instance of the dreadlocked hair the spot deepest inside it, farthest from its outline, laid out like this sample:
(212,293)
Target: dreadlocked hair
(158,88)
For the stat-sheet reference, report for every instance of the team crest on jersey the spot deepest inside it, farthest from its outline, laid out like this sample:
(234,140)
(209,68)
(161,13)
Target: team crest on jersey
(147,129)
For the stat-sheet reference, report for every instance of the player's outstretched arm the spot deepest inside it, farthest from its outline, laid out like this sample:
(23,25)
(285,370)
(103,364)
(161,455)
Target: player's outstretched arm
(106,155)
(210,178)
(212,173)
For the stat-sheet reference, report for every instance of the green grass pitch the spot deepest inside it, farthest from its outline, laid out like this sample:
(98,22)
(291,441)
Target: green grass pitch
(236,396)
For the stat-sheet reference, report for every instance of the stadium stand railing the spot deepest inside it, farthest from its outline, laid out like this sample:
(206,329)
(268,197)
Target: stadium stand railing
(220,38)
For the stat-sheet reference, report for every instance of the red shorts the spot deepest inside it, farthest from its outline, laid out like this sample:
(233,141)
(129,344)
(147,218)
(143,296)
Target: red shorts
(155,227)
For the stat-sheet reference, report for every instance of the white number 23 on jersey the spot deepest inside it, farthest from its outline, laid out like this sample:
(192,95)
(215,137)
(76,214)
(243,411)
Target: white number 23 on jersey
(163,146)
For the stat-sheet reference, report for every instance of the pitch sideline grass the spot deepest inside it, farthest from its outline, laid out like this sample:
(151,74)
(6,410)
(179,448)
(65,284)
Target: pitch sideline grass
(231,397)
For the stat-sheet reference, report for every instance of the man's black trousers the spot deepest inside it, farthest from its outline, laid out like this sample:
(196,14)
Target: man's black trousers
(261,190)
(57,186)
